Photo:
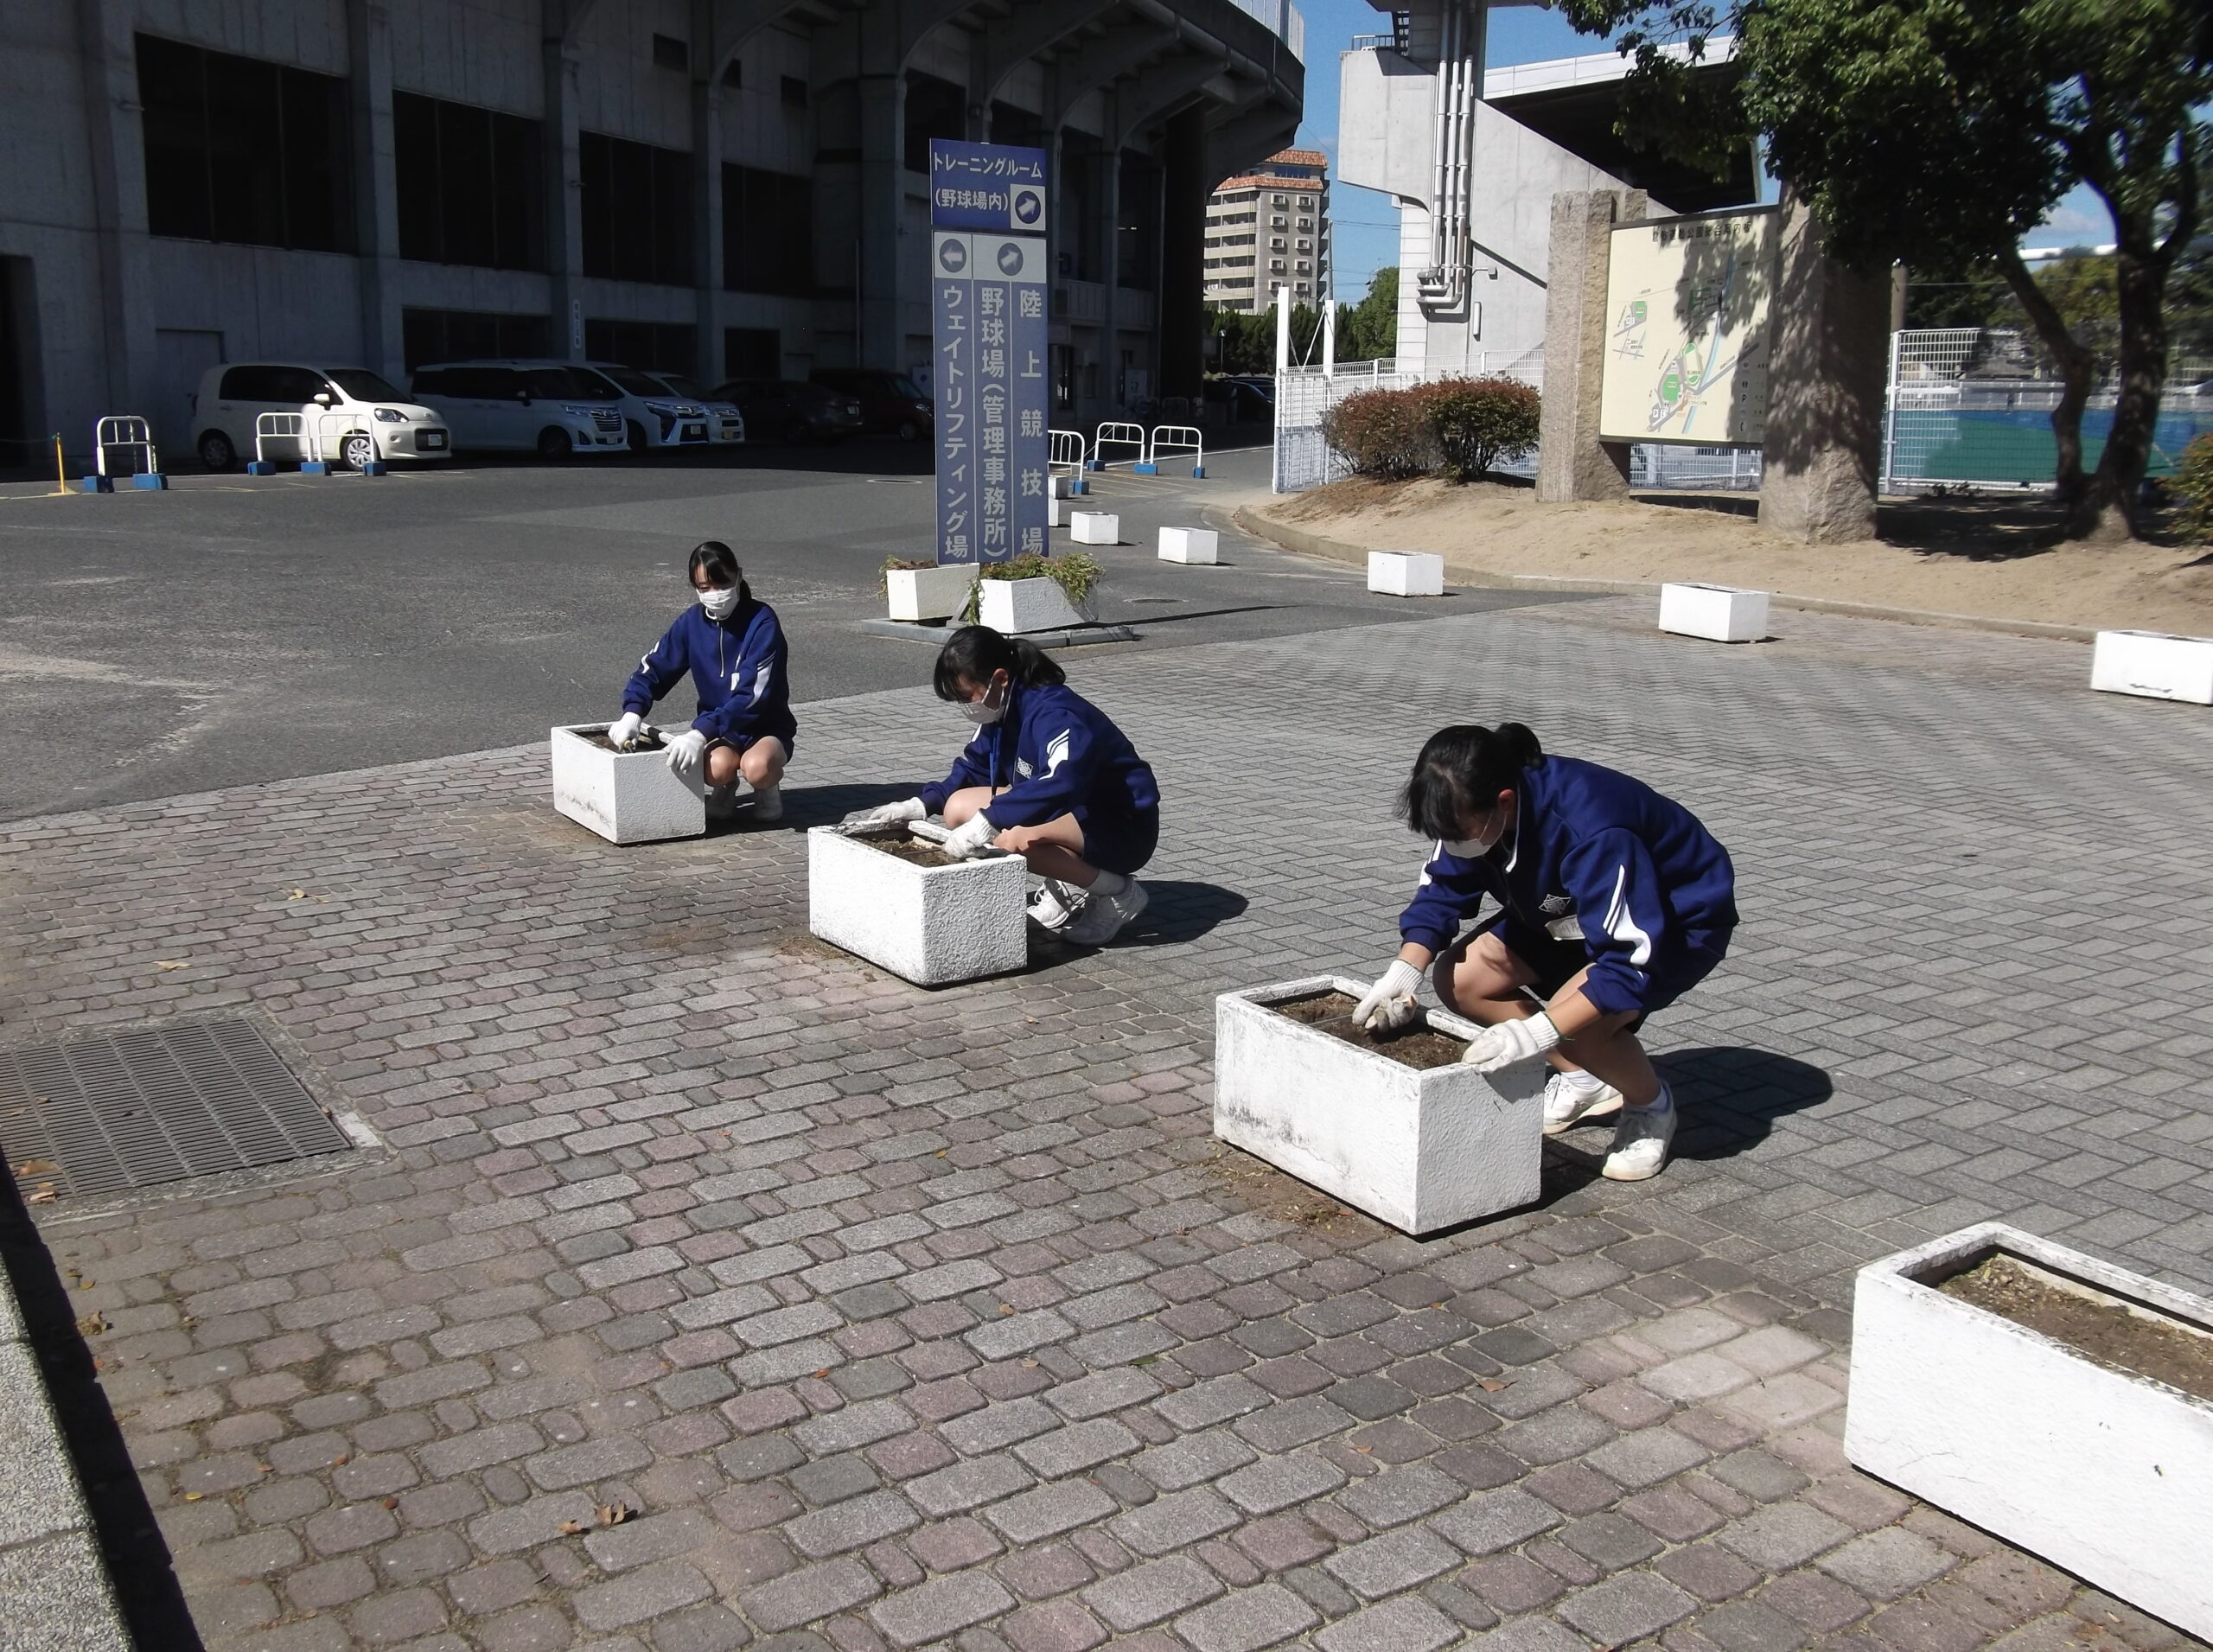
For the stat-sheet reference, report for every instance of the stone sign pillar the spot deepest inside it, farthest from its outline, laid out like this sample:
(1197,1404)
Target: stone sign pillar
(1572,462)
(1823,447)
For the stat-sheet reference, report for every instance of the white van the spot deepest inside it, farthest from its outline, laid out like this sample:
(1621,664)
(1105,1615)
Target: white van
(726,424)
(351,416)
(548,408)
(657,417)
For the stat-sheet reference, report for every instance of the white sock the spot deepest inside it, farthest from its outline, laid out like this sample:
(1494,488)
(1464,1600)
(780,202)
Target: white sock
(1109,883)
(1588,1083)
(1659,1103)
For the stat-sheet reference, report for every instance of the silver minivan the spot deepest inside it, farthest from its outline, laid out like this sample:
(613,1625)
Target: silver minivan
(348,415)
(552,409)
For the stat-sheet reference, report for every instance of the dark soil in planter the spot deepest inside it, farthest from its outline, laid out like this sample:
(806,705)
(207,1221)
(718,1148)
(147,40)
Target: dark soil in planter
(909,848)
(2098,1328)
(644,743)
(1412,1046)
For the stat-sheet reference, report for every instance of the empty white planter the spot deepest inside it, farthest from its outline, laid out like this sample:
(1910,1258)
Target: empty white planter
(1717,613)
(1193,544)
(930,925)
(1014,606)
(2153,664)
(1419,1150)
(1406,573)
(918,594)
(625,796)
(2107,1475)
(1094,528)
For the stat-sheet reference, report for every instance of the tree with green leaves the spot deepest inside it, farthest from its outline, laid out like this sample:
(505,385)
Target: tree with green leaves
(1369,331)
(1938,133)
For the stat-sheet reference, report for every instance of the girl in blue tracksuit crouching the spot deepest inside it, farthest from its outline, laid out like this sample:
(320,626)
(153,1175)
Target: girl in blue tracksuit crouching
(734,648)
(1047,777)
(1616,902)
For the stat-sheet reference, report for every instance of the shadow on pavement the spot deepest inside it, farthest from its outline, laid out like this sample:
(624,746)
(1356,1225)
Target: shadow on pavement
(1180,912)
(130,1542)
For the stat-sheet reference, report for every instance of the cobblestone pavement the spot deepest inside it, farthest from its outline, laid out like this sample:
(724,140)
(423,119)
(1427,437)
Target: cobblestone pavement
(893,1317)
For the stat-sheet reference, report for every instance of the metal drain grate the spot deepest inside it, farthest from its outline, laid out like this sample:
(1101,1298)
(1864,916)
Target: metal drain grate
(138,1109)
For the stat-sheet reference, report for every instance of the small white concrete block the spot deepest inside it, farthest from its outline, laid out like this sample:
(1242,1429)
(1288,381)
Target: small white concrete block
(930,925)
(1095,527)
(1420,1150)
(1014,606)
(625,796)
(1193,544)
(917,593)
(1057,513)
(1717,613)
(1406,573)
(2154,664)
(2105,1474)
(1063,487)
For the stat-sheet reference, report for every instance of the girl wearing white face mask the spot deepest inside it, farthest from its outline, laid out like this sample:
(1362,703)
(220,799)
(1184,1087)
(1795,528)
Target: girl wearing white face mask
(1048,777)
(1615,902)
(734,648)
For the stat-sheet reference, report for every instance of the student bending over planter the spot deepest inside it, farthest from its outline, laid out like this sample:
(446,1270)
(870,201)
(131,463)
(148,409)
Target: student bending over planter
(1616,901)
(1048,778)
(734,648)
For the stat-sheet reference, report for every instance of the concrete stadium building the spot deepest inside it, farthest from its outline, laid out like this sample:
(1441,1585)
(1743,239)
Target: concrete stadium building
(715,186)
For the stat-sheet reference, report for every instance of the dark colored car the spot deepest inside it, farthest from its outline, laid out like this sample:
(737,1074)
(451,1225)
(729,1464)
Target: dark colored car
(890,402)
(1243,400)
(785,410)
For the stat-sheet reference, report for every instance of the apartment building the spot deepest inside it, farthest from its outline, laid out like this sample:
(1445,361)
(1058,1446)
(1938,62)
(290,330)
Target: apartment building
(1270,228)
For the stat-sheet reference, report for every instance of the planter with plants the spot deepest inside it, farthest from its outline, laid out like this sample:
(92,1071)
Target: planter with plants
(1035,594)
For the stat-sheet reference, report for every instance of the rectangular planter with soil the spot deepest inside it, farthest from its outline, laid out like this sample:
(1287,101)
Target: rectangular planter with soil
(2060,1402)
(902,905)
(920,594)
(625,796)
(1396,1126)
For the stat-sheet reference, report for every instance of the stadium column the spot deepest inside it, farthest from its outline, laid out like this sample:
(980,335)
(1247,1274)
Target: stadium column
(565,229)
(119,179)
(706,196)
(376,188)
(1179,332)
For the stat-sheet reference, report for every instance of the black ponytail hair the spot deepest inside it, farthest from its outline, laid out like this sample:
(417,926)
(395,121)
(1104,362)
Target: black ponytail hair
(974,651)
(719,562)
(1461,771)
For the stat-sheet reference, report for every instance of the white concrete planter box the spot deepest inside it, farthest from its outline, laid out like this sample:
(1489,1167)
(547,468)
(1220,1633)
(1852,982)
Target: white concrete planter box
(625,796)
(930,925)
(2106,1474)
(918,594)
(1406,573)
(1717,613)
(1094,528)
(1014,606)
(1419,1150)
(1192,545)
(2154,664)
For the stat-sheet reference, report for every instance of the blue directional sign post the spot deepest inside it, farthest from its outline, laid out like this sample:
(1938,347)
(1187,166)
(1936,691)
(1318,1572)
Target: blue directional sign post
(987,283)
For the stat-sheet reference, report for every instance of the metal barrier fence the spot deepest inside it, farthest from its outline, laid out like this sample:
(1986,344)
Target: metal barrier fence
(1120,434)
(1065,451)
(125,431)
(1177,439)
(1972,406)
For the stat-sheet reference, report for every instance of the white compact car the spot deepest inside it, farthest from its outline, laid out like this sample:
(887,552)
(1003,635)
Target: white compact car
(347,415)
(549,408)
(656,416)
(726,424)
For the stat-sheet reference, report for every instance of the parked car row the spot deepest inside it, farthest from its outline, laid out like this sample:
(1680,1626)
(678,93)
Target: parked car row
(351,416)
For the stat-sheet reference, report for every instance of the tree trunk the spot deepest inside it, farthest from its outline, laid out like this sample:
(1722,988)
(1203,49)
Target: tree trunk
(2076,370)
(2139,278)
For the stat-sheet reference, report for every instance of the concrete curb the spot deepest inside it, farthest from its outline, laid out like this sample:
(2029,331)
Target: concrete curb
(938,636)
(1315,545)
(51,1573)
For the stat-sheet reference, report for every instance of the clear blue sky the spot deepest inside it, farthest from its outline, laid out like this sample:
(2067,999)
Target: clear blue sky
(1365,227)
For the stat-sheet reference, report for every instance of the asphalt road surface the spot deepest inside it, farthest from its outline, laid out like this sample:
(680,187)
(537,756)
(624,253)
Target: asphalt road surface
(238,629)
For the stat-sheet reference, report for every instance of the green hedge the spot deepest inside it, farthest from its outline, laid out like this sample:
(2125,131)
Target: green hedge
(1457,428)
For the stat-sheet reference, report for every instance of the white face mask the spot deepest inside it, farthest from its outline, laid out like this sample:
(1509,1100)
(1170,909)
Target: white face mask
(1473,848)
(719,604)
(982,712)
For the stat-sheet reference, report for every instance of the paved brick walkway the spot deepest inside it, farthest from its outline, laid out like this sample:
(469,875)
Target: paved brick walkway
(893,1317)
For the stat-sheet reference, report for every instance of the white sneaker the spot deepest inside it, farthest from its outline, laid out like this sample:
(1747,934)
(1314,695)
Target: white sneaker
(1057,905)
(1641,1142)
(722,802)
(1567,1103)
(767,803)
(1104,915)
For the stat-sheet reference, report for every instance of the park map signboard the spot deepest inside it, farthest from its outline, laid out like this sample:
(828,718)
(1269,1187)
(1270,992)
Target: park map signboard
(987,292)
(1688,305)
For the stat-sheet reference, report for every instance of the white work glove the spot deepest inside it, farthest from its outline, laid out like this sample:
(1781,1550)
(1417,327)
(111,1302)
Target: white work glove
(624,730)
(1390,1004)
(1511,1042)
(967,842)
(885,815)
(686,752)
